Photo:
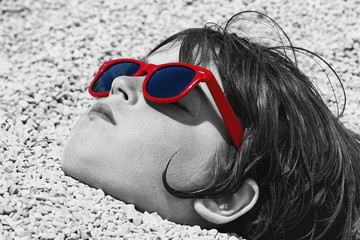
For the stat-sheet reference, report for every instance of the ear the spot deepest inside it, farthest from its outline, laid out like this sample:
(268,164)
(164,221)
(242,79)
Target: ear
(227,209)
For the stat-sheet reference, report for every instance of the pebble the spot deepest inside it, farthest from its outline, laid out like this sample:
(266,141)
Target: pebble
(97,223)
(9,209)
(47,236)
(233,238)
(59,225)
(20,232)
(154,227)
(24,118)
(212,232)
(24,104)
(3,190)
(13,189)
(132,214)
(41,197)
(120,232)
(25,193)
(66,231)
(16,216)
(84,235)
(31,203)
(28,153)
(37,216)
(137,221)
(43,210)
(9,169)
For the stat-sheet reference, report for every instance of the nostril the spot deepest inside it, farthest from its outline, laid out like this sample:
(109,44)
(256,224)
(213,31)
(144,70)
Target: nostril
(126,88)
(126,97)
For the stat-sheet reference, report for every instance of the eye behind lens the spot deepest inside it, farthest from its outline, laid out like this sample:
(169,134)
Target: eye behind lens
(104,82)
(169,81)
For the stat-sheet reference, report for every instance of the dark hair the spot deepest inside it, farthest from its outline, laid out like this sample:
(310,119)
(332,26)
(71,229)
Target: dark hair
(304,160)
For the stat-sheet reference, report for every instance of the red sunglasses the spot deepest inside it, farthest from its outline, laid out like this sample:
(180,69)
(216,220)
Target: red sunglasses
(167,83)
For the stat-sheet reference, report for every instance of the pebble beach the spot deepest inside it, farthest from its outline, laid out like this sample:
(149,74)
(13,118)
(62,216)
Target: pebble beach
(49,53)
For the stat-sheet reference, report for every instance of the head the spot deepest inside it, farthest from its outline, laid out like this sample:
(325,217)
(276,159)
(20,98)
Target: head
(127,155)
(178,159)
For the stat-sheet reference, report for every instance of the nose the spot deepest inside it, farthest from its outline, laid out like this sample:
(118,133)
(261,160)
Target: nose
(130,88)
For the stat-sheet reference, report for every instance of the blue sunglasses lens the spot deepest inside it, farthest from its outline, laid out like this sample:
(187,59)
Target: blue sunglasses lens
(169,81)
(103,84)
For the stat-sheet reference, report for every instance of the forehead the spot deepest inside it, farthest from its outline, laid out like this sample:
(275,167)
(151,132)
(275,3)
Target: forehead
(165,55)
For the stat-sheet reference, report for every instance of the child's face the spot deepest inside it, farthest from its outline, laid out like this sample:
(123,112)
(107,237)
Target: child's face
(127,159)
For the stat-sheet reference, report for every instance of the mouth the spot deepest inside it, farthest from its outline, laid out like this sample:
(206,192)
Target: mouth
(104,111)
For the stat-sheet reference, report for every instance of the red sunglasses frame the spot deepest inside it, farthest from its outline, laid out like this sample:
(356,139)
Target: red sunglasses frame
(201,75)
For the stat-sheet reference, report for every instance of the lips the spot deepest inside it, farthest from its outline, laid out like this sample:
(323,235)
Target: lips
(104,111)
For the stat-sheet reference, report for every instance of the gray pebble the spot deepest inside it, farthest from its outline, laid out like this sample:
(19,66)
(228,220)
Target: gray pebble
(20,232)
(9,209)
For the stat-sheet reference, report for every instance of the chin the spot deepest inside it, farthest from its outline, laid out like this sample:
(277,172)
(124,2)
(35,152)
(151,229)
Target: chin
(77,168)
(69,161)
(74,160)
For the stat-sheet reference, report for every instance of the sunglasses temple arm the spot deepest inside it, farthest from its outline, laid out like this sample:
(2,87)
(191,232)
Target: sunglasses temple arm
(232,124)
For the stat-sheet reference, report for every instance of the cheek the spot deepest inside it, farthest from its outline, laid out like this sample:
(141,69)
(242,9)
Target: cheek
(128,161)
(135,153)
(144,149)
(188,170)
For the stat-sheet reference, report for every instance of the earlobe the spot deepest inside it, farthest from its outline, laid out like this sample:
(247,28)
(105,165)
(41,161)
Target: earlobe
(227,209)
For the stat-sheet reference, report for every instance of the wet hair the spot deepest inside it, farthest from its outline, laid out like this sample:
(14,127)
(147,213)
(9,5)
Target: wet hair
(304,160)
